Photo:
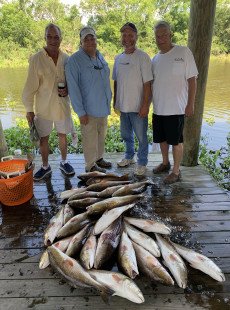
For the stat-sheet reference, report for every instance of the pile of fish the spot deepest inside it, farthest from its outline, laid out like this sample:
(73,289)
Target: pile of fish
(94,230)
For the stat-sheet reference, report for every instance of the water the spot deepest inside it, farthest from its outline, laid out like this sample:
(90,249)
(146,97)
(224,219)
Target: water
(217,101)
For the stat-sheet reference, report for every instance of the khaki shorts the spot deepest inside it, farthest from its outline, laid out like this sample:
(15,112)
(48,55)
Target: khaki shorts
(44,126)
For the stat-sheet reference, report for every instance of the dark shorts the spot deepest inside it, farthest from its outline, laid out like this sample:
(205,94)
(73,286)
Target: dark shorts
(168,128)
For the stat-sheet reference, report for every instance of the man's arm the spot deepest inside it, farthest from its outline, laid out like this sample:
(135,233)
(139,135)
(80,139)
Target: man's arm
(189,110)
(29,91)
(144,110)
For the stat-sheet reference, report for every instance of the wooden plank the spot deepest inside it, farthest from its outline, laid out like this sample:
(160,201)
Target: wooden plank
(203,226)
(19,255)
(159,302)
(183,206)
(56,287)
(30,270)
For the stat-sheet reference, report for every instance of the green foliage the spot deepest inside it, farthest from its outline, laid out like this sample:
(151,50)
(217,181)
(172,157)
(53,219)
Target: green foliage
(113,141)
(22,24)
(221,36)
(217,162)
(18,138)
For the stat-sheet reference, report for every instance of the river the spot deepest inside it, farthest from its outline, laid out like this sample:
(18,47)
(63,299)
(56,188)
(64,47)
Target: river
(217,100)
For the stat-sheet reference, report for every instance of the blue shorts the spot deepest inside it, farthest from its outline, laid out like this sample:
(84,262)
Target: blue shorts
(168,128)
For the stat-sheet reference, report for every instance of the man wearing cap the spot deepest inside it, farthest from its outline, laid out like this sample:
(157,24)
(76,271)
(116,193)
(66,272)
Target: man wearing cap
(174,89)
(87,75)
(45,104)
(132,77)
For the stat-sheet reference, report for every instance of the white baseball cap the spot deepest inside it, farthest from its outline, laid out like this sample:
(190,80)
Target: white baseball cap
(85,31)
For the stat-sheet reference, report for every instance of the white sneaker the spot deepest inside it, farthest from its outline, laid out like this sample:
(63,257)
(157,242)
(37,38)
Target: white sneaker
(125,162)
(140,170)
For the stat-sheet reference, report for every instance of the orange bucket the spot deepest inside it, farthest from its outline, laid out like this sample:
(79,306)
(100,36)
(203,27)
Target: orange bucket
(19,189)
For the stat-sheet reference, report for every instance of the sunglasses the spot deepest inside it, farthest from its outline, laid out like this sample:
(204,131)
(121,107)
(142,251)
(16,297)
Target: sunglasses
(97,68)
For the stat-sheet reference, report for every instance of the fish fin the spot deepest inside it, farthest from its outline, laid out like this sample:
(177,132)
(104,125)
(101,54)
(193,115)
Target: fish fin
(106,294)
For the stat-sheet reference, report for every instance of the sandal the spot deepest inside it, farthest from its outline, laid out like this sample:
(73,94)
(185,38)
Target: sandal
(162,168)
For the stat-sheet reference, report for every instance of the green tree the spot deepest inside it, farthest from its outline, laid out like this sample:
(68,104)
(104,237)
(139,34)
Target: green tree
(15,25)
(221,37)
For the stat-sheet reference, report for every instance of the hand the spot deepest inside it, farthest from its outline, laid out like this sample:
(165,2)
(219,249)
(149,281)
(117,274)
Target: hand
(144,111)
(84,119)
(189,110)
(30,117)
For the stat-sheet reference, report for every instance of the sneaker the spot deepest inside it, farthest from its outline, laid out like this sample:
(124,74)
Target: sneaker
(140,170)
(67,168)
(126,162)
(103,163)
(97,168)
(172,178)
(42,173)
(162,168)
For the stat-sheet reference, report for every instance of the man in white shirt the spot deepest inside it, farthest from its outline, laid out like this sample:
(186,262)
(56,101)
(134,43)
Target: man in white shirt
(174,89)
(132,77)
(46,104)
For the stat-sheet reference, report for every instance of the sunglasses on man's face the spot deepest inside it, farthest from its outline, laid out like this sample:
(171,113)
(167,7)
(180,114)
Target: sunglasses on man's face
(97,68)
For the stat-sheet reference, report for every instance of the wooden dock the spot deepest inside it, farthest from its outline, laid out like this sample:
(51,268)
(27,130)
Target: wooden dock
(196,207)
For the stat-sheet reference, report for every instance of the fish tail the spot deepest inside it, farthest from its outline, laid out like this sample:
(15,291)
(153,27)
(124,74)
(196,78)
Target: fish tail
(134,274)
(106,293)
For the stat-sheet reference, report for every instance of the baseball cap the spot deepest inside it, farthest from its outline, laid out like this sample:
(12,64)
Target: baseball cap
(85,31)
(129,25)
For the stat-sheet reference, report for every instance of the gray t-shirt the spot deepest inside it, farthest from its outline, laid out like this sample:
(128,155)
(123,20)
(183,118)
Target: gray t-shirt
(131,71)
(170,74)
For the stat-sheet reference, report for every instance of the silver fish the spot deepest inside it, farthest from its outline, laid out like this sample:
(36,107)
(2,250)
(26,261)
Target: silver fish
(53,228)
(83,203)
(61,245)
(88,175)
(173,261)
(73,273)
(87,255)
(108,217)
(142,239)
(149,225)
(97,187)
(130,189)
(73,225)
(120,284)
(108,177)
(150,266)
(201,262)
(127,257)
(107,243)
(44,260)
(67,194)
(68,213)
(77,241)
(85,194)
(111,203)
(106,193)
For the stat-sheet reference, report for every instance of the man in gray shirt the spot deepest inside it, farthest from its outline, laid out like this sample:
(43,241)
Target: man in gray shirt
(87,75)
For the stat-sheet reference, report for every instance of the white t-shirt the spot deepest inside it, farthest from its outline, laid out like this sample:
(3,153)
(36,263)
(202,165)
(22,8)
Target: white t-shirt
(131,71)
(170,74)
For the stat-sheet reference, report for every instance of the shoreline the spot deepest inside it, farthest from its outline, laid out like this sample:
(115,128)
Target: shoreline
(23,63)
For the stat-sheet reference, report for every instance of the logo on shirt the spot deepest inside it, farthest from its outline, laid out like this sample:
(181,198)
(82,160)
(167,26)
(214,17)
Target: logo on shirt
(179,59)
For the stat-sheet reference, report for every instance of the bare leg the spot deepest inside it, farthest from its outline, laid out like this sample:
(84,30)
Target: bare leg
(177,151)
(44,149)
(165,152)
(63,145)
